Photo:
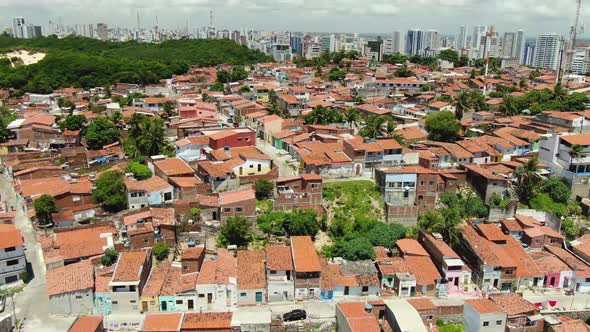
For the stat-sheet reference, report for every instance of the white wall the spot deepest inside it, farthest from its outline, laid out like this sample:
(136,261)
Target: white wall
(68,303)
(473,321)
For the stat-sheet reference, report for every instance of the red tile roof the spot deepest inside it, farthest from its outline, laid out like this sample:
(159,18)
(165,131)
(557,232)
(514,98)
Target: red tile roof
(278,258)
(86,324)
(491,232)
(70,278)
(357,318)
(10,236)
(250,269)
(81,243)
(162,322)
(207,321)
(129,266)
(230,197)
(174,166)
(484,306)
(513,304)
(218,271)
(411,247)
(305,257)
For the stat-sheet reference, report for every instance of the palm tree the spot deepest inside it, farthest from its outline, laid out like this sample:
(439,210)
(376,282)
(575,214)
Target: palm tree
(559,93)
(373,127)
(273,108)
(478,102)
(168,108)
(528,180)
(351,116)
(508,106)
(461,104)
(10,293)
(390,127)
(399,138)
(151,140)
(576,152)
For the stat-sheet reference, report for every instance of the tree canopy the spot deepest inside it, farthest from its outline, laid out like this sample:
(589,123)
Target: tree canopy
(236,230)
(111,191)
(323,115)
(264,188)
(100,133)
(44,206)
(442,126)
(72,122)
(84,63)
(6,117)
(140,171)
(297,222)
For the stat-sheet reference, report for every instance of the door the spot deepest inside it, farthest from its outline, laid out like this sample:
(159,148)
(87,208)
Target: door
(346,290)
(191,304)
(358,170)
(552,282)
(258,297)
(209,298)
(144,306)
(456,282)
(164,306)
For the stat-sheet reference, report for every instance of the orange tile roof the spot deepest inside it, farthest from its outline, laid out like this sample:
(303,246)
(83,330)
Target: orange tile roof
(581,139)
(422,304)
(411,247)
(305,257)
(162,322)
(129,266)
(513,304)
(278,258)
(218,271)
(156,279)
(231,197)
(10,236)
(251,270)
(86,324)
(192,253)
(357,318)
(424,269)
(491,232)
(186,181)
(174,166)
(484,306)
(176,282)
(152,184)
(70,278)
(550,264)
(80,243)
(207,321)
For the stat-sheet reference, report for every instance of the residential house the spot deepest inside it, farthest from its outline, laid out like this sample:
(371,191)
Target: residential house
(538,237)
(205,322)
(395,275)
(581,282)
(427,310)
(129,278)
(298,192)
(483,315)
(279,274)
(251,272)
(149,192)
(67,194)
(251,319)
(12,254)
(192,148)
(87,324)
(403,317)
(325,159)
(143,229)
(217,284)
(102,291)
(557,273)
(232,137)
(307,268)
(418,260)
(237,203)
(521,314)
(70,289)
(487,183)
(150,301)
(178,291)
(356,317)
(171,167)
(164,322)
(192,259)
(75,157)
(268,126)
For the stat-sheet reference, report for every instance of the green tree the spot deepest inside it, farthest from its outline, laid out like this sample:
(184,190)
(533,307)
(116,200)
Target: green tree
(336,74)
(72,122)
(110,191)
(359,248)
(403,72)
(442,126)
(244,89)
(386,235)
(100,133)
(377,126)
(44,206)
(462,103)
(321,116)
(351,116)
(528,180)
(235,231)
(161,251)
(238,73)
(557,190)
(116,117)
(576,152)
(559,93)
(264,188)
(150,141)
(6,117)
(302,222)
(449,55)
(110,257)
(140,171)
(168,106)
(509,106)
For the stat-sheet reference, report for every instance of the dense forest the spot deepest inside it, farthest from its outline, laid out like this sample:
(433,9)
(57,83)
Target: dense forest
(84,62)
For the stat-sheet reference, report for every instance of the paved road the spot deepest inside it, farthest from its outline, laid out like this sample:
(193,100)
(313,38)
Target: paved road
(32,304)
(279,157)
(578,301)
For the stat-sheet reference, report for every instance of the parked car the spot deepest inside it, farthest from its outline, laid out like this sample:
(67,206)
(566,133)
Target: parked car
(293,315)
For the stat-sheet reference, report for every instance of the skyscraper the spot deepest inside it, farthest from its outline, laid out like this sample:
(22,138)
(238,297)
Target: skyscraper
(414,41)
(102,32)
(478,30)
(18,27)
(431,41)
(520,45)
(508,44)
(398,43)
(513,45)
(462,37)
(547,51)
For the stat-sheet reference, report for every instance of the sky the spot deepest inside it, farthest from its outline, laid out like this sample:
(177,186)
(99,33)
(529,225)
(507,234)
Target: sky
(362,16)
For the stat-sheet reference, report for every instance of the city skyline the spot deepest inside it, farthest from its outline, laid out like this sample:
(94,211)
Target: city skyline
(373,16)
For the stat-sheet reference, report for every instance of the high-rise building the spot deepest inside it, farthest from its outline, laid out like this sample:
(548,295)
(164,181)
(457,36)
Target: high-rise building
(513,45)
(414,41)
(581,60)
(375,49)
(296,43)
(102,31)
(462,37)
(519,46)
(508,44)
(478,31)
(489,44)
(529,55)
(431,40)
(325,43)
(398,43)
(18,27)
(33,31)
(547,51)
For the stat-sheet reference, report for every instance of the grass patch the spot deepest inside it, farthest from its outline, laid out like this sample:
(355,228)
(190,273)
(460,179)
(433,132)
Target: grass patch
(264,205)
(356,198)
(449,327)
(96,169)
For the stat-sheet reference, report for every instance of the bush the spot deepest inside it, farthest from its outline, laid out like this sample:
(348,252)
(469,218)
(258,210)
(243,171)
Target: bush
(140,171)
(25,277)
(264,188)
(235,231)
(161,251)
(111,191)
(110,257)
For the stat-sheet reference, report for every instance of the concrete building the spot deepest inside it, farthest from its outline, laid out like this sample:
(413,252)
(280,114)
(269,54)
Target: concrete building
(251,272)
(403,317)
(414,41)
(462,38)
(483,315)
(129,278)
(547,49)
(279,274)
(70,289)
(398,42)
(217,283)
(102,31)
(12,255)
(307,268)
(18,27)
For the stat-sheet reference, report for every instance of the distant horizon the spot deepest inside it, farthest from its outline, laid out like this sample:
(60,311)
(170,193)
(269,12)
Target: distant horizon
(345,16)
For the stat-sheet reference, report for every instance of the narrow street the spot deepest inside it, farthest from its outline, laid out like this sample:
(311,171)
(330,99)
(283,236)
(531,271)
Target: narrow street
(279,157)
(32,304)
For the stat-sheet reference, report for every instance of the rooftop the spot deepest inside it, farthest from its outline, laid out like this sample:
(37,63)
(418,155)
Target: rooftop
(70,278)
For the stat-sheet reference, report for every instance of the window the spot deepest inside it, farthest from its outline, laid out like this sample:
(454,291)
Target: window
(152,302)
(167,196)
(587,279)
(11,279)
(422,183)
(133,194)
(316,185)
(486,324)
(251,166)
(406,194)
(508,272)
(146,240)
(132,301)
(429,317)
(243,294)
(226,209)
(390,184)
(12,262)
(202,296)
(76,198)
(132,288)
(431,183)
(9,249)
(239,209)
(273,272)
(498,322)
(178,301)
(79,297)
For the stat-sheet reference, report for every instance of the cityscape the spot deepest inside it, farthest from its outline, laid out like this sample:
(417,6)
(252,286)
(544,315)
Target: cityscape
(159,175)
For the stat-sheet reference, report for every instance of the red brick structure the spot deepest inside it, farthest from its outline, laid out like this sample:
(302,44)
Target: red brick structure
(299,192)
